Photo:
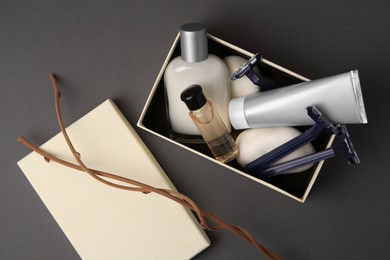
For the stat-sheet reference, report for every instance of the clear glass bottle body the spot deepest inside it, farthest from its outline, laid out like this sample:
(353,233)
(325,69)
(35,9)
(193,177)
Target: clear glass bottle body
(212,75)
(214,132)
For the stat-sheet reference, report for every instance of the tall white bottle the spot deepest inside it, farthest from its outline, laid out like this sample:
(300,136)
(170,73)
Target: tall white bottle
(195,66)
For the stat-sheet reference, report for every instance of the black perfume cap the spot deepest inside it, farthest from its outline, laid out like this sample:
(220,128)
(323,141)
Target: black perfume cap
(193,97)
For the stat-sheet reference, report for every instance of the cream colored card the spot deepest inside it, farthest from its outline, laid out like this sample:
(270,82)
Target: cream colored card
(103,222)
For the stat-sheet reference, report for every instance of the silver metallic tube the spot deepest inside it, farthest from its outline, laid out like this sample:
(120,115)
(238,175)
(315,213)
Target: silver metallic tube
(339,97)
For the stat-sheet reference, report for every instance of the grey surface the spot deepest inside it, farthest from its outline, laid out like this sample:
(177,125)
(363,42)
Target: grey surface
(115,49)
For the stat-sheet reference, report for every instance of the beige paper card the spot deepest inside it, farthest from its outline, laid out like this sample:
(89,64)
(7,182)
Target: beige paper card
(103,222)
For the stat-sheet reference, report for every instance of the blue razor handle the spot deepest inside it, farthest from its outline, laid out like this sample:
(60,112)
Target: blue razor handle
(262,168)
(321,124)
(249,65)
(344,147)
(259,80)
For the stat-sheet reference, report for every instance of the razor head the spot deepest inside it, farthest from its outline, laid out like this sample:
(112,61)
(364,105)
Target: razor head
(320,119)
(346,145)
(246,67)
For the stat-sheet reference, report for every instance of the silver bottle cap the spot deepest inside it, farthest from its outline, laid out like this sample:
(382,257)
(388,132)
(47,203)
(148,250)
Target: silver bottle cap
(193,42)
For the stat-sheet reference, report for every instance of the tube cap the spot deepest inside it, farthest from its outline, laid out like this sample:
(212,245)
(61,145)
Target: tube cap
(193,42)
(237,113)
(193,97)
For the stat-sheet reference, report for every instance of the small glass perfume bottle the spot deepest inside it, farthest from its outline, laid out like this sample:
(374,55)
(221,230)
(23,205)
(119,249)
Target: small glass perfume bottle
(209,124)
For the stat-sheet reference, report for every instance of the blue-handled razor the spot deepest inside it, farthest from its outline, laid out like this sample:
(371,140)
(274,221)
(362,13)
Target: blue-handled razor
(262,168)
(248,70)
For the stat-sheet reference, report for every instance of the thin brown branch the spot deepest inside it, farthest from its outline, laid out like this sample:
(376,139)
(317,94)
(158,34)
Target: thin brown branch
(139,186)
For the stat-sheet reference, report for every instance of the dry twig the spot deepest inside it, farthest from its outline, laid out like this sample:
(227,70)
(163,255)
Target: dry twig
(139,186)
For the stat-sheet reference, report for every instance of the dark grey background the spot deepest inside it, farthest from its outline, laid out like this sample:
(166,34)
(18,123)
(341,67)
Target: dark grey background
(114,49)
